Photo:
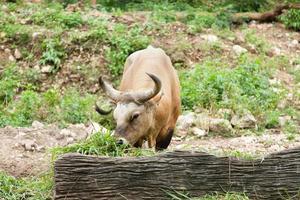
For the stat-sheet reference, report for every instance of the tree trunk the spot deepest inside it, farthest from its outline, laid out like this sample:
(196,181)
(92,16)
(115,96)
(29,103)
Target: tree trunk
(89,177)
(269,16)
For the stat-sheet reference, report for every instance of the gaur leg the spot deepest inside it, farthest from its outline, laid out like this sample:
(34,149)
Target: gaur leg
(164,140)
(139,143)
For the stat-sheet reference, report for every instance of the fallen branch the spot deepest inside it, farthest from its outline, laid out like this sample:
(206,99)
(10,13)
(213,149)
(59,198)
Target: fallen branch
(268,16)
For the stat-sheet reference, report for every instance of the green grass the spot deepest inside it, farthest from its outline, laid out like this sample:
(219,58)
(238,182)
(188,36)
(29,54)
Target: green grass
(175,195)
(12,188)
(101,144)
(214,86)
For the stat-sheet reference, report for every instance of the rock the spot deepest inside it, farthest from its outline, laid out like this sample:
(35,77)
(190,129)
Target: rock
(35,35)
(293,43)
(70,140)
(210,38)
(67,133)
(202,121)
(238,50)
(17,54)
(252,48)
(29,145)
(185,121)
(239,38)
(225,113)
(243,122)
(198,132)
(37,124)
(46,69)
(37,67)
(11,58)
(220,125)
(7,51)
(274,51)
(283,120)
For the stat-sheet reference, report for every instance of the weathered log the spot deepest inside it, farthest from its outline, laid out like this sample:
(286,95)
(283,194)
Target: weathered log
(268,16)
(89,177)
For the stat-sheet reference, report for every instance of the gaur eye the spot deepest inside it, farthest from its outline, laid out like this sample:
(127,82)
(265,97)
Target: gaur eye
(134,116)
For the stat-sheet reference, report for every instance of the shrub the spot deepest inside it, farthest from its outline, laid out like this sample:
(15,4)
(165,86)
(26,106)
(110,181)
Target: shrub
(53,53)
(291,19)
(25,110)
(247,6)
(122,43)
(244,87)
(10,81)
(54,16)
(76,108)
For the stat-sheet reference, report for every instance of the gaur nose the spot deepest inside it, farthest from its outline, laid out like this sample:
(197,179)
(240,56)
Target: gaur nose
(121,141)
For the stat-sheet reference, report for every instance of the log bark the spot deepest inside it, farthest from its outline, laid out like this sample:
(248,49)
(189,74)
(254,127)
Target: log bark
(89,177)
(268,16)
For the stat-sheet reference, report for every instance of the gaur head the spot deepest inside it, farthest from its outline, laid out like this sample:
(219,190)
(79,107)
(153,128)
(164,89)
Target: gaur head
(134,112)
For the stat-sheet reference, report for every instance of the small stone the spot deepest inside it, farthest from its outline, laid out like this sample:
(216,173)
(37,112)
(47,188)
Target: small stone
(11,58)
(7,51)
(293,43)
(29,145)
(35,35)
(210,38)
(220,125)
(67,133)
(17,54)
(198,132)
(70,140)
(225,113)
(245,121)
(46,69)
(37,124)
(283,120)
(37,67)
(274,51)
(238,50)
(202,121)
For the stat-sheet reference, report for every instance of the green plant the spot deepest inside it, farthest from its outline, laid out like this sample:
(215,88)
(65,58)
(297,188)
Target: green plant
(245,87)
(102,143)
(10,81)
(25,109)
(76,108)
(249,5)
(17,33)
(53,53)
(55,16)
(291,19)
(12,188)
(272,119)
(122,43)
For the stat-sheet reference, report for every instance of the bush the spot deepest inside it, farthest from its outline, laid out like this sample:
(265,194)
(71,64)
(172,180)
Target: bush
(291,19)
(54,16)
(10,82)
(122,43)
(247,6)
(76,108)
(53,53)
(244,87)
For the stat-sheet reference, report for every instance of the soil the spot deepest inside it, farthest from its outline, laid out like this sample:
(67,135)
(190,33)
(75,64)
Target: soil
(25,151)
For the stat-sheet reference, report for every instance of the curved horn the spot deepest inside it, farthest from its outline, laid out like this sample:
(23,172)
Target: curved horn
(109,90)
(102,112)
(145,96)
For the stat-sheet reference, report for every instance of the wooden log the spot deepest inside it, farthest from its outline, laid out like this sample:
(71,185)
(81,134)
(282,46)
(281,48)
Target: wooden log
(89,177)
(268,16)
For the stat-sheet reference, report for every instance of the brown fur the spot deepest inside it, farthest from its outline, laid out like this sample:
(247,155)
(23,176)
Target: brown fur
(155,61)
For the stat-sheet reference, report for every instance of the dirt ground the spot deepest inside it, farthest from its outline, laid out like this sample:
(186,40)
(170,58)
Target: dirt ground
(24,151)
